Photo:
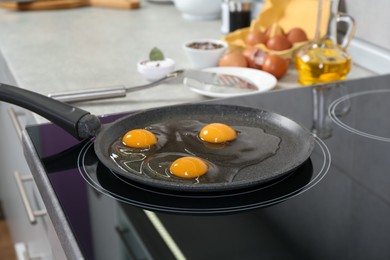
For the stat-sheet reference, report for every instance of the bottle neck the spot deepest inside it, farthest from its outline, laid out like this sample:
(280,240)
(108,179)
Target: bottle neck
(331,31)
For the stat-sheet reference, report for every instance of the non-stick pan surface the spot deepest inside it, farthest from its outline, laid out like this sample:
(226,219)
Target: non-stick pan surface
(296,143)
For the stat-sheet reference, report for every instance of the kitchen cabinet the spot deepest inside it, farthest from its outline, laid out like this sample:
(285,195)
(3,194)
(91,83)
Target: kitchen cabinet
(16,180)
(18,192)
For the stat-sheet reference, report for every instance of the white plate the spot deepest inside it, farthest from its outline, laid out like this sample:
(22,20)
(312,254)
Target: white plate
(261,79)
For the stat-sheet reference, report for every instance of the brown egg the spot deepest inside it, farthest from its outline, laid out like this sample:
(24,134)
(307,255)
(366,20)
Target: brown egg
(255,37)
(296,35)
(233,58)
(254,57)
(275,65)
(278,43)
(249,54)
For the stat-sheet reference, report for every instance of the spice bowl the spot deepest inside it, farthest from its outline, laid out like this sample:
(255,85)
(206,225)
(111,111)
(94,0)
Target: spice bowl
(155,70)
(204,53)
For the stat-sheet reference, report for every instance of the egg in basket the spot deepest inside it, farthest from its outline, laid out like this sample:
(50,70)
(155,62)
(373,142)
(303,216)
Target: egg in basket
(274,39)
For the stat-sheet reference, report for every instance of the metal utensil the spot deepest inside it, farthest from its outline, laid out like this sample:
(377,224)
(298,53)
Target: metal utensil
(208,78)
(108,92)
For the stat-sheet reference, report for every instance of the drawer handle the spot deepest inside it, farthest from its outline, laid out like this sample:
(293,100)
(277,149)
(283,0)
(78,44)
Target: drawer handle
(32,215)
(14,118)
(122,233)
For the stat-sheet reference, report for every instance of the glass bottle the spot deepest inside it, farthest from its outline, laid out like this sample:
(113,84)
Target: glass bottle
(236,14)
(324,60)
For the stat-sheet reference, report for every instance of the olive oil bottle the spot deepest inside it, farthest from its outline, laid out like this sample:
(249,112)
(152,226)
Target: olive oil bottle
(324,60)
(322,64)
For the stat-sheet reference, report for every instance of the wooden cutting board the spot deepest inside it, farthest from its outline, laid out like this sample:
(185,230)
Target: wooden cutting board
(64,4)
(125,4)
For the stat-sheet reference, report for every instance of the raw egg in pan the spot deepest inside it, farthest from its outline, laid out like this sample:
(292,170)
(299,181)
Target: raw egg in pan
(188,167)
(217,133)
(139,138)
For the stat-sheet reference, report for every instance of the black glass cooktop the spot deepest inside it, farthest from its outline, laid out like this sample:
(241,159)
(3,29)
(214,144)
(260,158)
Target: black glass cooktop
(336,205)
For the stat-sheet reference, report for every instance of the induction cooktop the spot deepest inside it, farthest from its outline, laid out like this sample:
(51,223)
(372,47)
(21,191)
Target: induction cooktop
(334,206)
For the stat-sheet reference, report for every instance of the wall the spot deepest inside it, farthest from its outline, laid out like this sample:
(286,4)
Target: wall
(372,20)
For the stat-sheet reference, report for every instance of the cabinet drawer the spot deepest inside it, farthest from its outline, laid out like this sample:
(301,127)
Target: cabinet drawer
(12,160)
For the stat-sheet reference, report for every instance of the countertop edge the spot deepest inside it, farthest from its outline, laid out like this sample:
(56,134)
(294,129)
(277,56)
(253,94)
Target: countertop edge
(50,200)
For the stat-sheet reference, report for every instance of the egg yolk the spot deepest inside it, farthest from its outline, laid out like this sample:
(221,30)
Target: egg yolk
(188,167)
(217,133)
(139,138)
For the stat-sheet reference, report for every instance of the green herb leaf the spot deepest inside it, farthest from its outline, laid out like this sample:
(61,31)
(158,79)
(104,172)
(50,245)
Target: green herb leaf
(156,54)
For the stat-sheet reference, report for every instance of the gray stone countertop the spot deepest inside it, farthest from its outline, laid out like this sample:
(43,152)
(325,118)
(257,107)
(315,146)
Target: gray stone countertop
(90,47)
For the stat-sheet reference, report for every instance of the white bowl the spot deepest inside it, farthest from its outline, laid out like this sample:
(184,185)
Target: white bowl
(155,70)
(201,58)
(199,9)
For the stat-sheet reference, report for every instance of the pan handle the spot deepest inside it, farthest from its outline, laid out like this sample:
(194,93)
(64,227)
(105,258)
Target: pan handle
(79,123)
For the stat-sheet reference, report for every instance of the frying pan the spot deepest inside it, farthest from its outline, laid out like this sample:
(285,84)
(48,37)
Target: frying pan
(296,145)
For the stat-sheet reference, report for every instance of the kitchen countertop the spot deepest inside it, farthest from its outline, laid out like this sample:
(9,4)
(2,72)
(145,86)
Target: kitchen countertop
(89,47)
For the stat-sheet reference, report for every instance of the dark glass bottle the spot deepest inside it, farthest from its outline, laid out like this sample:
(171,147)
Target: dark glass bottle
(239,14)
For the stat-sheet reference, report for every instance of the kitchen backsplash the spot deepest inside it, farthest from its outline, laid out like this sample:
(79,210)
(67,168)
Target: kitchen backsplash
(372,20)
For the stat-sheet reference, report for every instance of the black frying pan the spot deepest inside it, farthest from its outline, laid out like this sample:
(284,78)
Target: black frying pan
(296,143)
